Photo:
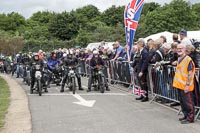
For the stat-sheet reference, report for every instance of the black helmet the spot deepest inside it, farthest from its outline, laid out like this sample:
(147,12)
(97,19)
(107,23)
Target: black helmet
(34,55)
(52,53)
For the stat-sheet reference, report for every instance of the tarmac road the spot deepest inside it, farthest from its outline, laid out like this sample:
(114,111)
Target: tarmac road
(115,111)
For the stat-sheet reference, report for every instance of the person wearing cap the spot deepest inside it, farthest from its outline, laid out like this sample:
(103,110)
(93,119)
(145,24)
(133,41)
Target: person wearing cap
(184,82)
(96,62)
(118,50)
(184,39)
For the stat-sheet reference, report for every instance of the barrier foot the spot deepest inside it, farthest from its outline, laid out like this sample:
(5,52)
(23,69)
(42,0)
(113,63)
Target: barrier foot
(197,114)
(153,98)
(179,112)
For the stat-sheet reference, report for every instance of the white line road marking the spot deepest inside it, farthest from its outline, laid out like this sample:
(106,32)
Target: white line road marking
(84,94)
(85,87)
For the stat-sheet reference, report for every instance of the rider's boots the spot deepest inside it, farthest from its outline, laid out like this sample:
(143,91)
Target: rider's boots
(79,84)
(62,88)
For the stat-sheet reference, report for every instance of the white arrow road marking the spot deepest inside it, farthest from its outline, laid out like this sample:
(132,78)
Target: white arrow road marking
(83,102)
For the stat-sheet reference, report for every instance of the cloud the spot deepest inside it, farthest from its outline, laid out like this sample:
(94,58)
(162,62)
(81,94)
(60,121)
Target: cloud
(28,7)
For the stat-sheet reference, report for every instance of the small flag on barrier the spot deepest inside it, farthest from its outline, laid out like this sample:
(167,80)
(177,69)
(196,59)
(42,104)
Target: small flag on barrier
(138,91)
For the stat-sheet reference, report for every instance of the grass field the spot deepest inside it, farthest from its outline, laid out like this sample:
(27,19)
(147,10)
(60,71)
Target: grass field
(4,100)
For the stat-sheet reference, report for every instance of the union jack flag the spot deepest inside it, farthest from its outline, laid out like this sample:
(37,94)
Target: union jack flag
(138,91)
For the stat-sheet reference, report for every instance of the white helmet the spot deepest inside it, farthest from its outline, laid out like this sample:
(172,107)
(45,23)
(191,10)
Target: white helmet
(64,55)
(77,51)
(71,52)
(95,52)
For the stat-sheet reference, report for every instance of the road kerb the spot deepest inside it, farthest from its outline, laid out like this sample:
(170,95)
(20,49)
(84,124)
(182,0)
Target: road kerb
(18,118)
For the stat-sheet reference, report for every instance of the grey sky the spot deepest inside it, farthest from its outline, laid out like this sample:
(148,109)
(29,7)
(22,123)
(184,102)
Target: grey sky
(28,7)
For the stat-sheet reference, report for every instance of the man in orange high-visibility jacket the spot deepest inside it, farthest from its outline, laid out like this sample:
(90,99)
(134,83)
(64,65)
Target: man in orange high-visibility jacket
(184,82)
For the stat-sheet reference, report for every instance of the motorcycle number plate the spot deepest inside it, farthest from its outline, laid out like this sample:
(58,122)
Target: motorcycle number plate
(38,74)
(99,72)
(71,71)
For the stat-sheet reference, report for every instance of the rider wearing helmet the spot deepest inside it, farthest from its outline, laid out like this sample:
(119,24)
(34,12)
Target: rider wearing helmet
(25,61)
(52,63)
(96,62)
(19,61)
(70,60)
(35,61)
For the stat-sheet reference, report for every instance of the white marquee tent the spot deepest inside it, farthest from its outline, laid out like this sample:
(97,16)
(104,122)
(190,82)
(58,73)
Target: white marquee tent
(167,34)
(108,45)
(191,34)
(194,35)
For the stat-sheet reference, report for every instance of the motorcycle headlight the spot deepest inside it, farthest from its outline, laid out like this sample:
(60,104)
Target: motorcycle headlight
(99,72)
(71,71)
(38,74)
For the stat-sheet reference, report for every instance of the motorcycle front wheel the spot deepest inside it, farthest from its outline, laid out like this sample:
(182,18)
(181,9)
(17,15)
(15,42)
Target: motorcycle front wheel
(39,87)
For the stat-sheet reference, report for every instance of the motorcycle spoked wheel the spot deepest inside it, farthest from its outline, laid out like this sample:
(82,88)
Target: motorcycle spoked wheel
(73,85)
(101,84)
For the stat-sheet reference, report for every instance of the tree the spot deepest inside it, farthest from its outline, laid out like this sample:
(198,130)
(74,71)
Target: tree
(149,7)
(196,10)
(49,30)
(114,15)
(16,44)
(89,11)
(64,26)
(42,17)
(12,22)
(10,44)
(37,26)
(165,18)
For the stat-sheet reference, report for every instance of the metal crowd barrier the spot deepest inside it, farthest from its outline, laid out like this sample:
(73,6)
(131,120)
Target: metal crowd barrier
(115,72)
(161,80)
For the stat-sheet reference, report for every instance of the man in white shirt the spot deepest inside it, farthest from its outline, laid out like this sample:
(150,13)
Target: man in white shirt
(184,39)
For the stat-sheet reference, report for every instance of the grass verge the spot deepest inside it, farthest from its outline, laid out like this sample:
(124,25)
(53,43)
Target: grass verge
(4,100)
